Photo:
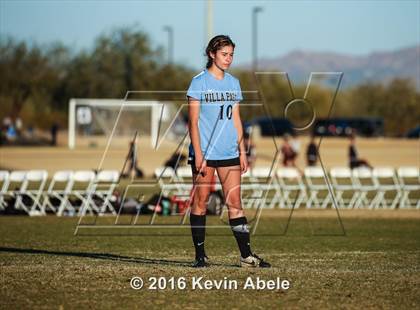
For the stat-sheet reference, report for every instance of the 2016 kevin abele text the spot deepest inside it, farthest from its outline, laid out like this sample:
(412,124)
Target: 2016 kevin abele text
(202,283)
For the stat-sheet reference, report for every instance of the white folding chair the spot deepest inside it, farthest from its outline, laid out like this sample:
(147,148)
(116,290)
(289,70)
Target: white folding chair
(59,189)
(386,182)
(104,186)
(265,187)
(217,185)
(16,181)
(290,181)
(365,183)
(342,181)
(409,179)
(167,180)
(31,188)
(4,184)
(184,180)
(82,191)
(316,182)
(250,191)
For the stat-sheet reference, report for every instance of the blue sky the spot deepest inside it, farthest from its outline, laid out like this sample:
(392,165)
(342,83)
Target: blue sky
(350,27)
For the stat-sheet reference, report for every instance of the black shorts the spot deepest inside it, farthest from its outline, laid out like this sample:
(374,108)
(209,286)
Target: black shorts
(216,163)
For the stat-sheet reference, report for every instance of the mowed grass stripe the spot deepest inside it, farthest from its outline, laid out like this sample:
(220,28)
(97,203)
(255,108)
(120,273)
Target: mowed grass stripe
(376,264)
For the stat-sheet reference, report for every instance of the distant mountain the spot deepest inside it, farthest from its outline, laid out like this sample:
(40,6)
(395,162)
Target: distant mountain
(376,66)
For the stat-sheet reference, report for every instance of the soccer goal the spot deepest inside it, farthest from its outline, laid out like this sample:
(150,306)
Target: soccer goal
(93,121)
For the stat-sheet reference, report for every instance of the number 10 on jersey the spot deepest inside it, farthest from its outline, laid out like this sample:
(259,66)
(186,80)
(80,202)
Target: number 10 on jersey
(228,111)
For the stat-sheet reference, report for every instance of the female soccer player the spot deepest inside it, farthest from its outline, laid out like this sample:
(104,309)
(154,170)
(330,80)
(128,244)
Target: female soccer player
(216,132)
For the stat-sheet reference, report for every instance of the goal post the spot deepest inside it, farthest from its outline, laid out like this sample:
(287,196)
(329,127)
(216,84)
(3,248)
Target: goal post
(96,118)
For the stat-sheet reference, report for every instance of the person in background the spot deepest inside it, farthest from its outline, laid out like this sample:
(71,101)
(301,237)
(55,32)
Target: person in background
(251,153)
(311,152)
(54,132)
(19,127)
(295,144)
(288,153)
(354,160)
(11,134)
(177,159)
(7,121)
(133,169)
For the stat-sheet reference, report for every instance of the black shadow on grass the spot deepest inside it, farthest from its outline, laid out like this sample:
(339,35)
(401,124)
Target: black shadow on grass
(108,256)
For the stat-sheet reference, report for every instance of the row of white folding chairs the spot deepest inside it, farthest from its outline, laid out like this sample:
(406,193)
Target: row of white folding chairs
(93,190)
(257,187)
(177,182)
(286,187)
(359,183)
(362,182)
(254,185)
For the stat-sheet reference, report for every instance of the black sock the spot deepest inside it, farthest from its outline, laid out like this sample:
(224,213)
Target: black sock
(198,233)
(241,232)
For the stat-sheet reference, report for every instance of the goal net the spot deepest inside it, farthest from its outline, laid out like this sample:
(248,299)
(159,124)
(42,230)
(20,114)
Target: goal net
(92,122)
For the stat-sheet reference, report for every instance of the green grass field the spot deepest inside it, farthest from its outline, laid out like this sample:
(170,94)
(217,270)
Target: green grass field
(376,264)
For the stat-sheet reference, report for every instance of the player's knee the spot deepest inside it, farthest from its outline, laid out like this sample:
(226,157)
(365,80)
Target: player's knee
(233,202)
(198,211)
(235,212)
(200,201)
(234,206)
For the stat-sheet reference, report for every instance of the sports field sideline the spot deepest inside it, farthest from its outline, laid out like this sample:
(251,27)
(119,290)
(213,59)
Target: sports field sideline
(333,152)
(374,265)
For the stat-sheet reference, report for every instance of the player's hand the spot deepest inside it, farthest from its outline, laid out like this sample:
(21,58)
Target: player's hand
(244,163)
(201,166)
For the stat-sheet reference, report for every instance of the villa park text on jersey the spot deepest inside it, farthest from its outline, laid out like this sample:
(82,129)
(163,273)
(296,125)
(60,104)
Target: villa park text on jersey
(220,96)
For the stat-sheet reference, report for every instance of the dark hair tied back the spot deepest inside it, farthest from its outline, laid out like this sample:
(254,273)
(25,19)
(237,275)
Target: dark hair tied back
(216,44)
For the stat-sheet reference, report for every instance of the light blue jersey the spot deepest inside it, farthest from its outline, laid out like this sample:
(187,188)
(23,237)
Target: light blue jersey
(218,135)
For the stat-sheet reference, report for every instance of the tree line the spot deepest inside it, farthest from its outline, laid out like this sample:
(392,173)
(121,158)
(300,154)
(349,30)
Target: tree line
(36,83)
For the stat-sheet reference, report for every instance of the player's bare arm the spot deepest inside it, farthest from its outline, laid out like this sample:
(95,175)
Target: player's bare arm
(193,116)
(238,125)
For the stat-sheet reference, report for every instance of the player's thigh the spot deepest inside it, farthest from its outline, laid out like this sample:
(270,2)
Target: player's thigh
(202,184)
(230,178)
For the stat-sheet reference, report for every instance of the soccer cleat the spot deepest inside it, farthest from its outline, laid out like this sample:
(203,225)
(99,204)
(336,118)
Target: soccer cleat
(254,261)
(201,262)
